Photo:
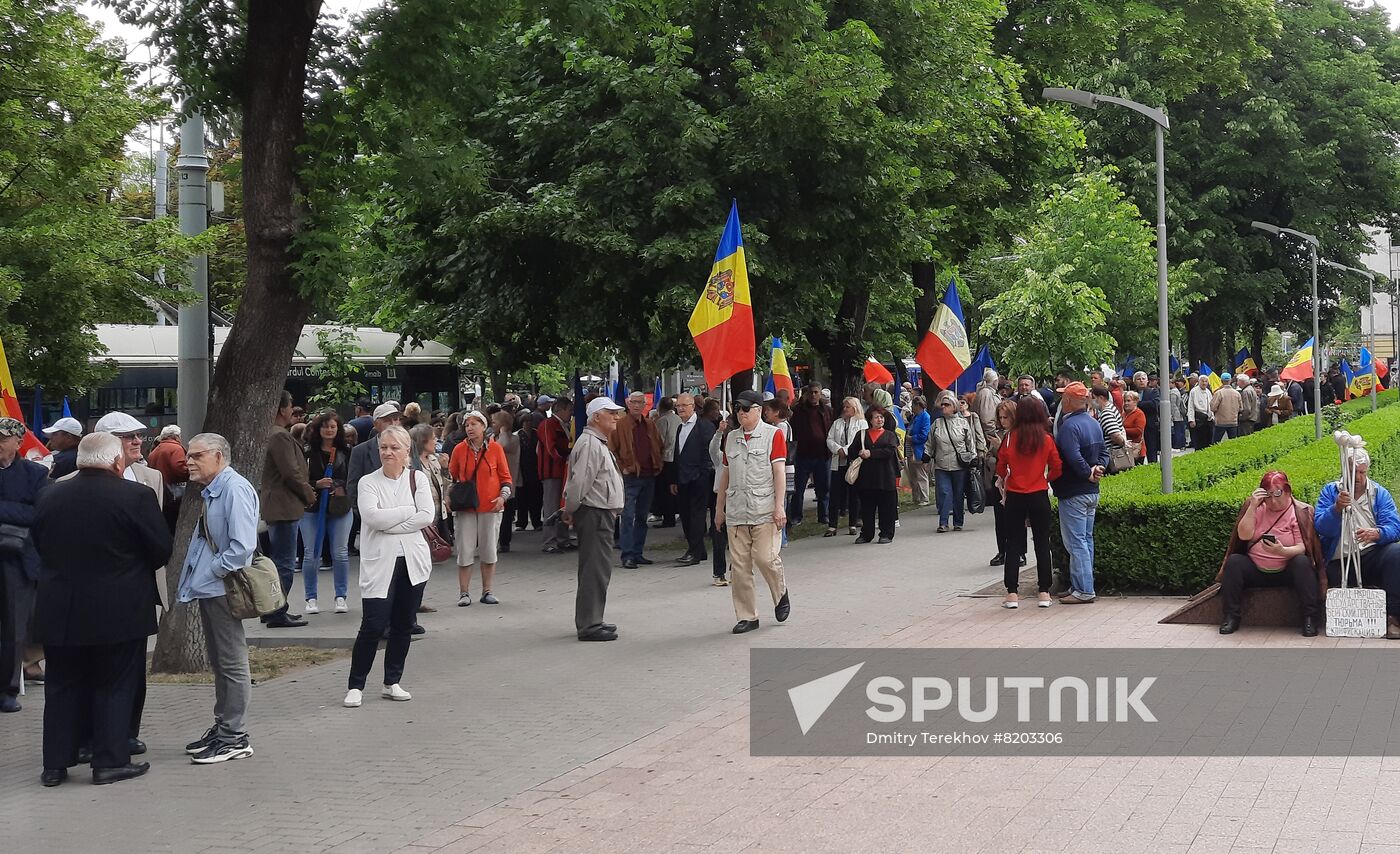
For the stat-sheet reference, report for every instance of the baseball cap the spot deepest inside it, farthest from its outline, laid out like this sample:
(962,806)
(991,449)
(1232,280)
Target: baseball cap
(65,425)
(118,422)
(1076,389)
(544,398)
(748,399)
(11,427)
(385,409)
(598,404)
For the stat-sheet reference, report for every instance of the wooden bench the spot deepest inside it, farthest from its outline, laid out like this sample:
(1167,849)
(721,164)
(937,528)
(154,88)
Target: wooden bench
(1263,606)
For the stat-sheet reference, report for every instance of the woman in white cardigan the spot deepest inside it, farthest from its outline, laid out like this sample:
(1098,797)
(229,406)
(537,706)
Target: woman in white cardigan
(394,563)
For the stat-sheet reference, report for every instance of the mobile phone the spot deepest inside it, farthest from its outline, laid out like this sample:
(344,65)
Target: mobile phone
(1269,538)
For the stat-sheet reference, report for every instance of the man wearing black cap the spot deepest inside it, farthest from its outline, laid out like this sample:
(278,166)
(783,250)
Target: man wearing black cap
(752,484)
(363,422)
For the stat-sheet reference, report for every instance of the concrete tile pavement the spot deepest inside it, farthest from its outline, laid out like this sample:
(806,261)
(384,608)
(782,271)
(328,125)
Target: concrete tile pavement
(504,699)
(520,739)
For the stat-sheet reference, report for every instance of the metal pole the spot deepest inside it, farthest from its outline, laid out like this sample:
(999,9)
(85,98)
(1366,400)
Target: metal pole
(162,194)
(192,391)
(1371,336)
(1164,421)
(1316,351)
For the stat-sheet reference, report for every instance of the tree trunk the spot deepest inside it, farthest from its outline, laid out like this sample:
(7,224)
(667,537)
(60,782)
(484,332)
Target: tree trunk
(925,304)
(1200,340)
(252,368)
(842,347)
(498,383)
(1256,345)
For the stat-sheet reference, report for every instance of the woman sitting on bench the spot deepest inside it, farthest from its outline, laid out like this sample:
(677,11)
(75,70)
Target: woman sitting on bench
(1274,544)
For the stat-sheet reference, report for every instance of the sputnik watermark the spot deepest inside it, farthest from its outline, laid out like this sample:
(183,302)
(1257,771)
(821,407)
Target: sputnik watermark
(1083,701)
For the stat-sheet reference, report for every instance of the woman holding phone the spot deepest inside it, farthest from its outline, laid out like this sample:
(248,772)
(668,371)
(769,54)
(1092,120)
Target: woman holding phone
(1274,544)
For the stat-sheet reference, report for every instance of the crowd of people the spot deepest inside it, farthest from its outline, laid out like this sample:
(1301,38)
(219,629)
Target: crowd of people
(404,489)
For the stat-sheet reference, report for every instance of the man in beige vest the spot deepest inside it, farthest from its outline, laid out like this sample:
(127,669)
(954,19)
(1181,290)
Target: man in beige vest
(752,485)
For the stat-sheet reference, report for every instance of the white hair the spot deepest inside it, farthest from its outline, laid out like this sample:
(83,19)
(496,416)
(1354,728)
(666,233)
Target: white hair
(170,430)
(214,442)
(99,451)
(1360,457)
(989,376)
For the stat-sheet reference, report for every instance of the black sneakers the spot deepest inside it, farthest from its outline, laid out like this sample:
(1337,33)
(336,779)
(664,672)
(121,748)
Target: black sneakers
(221,750)
(202,743)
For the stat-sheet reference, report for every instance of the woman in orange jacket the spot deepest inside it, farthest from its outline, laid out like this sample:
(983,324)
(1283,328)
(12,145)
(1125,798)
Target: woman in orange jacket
(481,486)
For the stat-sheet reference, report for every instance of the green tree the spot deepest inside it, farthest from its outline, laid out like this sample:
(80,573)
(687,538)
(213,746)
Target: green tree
(1048,323)
(67,258)
(339,373)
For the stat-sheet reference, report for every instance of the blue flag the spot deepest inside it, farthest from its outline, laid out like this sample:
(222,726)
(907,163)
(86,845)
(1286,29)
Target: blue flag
(36,424)
(1175,363)
(973,375)
(67,413)
(620,392)
(656,395)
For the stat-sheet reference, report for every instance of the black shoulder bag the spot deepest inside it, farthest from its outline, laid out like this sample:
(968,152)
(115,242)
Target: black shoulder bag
(463,492)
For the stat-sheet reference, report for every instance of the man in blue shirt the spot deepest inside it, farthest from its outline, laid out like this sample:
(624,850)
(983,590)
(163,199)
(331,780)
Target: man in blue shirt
(1079,439)
(1372,537)
(224,542)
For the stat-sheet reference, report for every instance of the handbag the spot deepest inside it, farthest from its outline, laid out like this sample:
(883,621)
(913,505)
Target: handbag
(853,470)
(438,546)
(462,493)
(13,539)
(976,493)
(255,590)
(1122,457)
(966,456)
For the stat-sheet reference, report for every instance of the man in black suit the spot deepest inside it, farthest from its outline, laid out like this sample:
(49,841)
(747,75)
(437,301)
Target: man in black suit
(96,606)
(691,477)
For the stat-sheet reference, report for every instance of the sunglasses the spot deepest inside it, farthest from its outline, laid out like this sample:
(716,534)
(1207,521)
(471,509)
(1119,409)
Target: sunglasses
(1276,493)
(745,407)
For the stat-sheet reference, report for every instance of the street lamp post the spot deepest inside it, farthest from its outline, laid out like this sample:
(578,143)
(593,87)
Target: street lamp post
(1371,314)
(1161,125)
(1312,242)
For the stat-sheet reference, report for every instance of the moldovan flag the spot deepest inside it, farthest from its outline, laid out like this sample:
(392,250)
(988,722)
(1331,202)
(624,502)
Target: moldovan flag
(876,372)
(1365,375)
(944,353)
(1300,366)
(722,322)
(780,377)
(30,447)
(1244,363)
(1209,374)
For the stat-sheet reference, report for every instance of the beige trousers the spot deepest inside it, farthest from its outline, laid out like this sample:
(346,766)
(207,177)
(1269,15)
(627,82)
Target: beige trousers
(750,547)
(918,478)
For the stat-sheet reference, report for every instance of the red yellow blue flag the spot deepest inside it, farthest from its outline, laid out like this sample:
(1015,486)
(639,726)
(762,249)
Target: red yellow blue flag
(722,322)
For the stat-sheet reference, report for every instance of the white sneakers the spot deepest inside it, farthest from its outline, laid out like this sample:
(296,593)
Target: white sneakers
(340,606)
(355,697)
(312,607)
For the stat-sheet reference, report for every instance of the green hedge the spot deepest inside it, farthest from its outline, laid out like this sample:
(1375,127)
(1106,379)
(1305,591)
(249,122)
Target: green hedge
(1144,540)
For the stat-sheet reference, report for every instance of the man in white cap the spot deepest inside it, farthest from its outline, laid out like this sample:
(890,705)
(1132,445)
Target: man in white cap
(63,441)
(365,458)
(132,433)
(593,500)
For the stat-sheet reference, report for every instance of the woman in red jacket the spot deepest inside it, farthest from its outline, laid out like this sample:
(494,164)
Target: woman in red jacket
(1026,464)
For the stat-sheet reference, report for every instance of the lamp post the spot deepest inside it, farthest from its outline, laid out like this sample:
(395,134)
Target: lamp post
(1371,314)
(1312,242)
(1161,125)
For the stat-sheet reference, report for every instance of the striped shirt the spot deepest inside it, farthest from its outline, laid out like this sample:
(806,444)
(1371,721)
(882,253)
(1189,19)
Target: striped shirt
(1111,420)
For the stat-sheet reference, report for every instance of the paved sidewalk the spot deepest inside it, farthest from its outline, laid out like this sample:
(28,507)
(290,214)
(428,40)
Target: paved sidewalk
(520,739)
(504,699)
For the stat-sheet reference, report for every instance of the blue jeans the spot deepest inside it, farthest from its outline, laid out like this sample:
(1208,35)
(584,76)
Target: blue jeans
(338,529)
(819,470)
(949,487)
(282,548)
(1232,431)
(636,505)
(1178,434)
(1077,530)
